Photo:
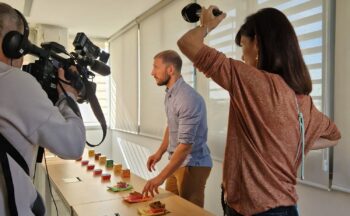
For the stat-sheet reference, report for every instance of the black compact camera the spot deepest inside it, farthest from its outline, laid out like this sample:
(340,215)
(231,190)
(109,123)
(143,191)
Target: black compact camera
(53,56)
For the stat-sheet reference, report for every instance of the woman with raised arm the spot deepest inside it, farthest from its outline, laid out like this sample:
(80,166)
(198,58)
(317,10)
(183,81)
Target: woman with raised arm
(273,122)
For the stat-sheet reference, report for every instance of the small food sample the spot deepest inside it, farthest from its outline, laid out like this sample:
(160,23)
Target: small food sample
(120,186)
(117,168)
(91,153)
(84,162)
(154,208)
(90,166)
(157,207)
(126,173)
(106,177)
(97,172)
(109,164)
(97,156)
(135,197)
(102,159)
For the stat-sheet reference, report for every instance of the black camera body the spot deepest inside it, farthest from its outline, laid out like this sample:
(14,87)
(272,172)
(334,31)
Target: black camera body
(51,58)
(45,73)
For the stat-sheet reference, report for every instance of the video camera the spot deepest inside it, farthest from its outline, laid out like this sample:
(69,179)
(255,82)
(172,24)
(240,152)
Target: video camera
(50,59)
(45,70)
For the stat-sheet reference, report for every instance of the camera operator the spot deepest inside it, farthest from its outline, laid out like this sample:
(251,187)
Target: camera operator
(28,119)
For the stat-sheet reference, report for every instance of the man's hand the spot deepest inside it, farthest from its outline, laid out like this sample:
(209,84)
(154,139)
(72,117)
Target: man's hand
(67,87)
(152,186)
(152,160)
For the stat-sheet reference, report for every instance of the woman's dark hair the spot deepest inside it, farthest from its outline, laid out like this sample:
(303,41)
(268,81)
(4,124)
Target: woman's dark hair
(279,50)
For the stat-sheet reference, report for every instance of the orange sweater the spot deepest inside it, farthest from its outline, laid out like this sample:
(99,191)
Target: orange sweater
(261,161)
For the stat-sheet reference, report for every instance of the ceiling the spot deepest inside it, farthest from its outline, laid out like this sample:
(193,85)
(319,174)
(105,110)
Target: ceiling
(97,18)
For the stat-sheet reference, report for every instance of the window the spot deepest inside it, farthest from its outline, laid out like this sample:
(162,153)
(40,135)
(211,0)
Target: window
(124,81)
(306,18)
(159,32)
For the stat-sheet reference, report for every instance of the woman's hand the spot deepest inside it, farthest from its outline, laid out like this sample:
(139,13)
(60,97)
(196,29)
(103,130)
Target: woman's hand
(208,19)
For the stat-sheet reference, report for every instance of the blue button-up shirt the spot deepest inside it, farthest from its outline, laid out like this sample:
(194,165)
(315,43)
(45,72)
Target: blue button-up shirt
(187,123)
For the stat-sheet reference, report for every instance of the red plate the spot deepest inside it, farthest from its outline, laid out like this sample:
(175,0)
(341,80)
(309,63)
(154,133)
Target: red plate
(144,199)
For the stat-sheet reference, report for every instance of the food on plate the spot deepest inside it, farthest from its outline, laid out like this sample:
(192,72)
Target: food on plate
(122,184)
(154,208)
(157,207)
(135,196)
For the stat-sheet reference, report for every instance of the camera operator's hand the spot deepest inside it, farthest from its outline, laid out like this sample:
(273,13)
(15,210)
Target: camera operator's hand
(68,88)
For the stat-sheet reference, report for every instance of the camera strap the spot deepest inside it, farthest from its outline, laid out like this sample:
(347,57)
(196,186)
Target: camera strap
(96,108)
(8,149)
(71,103)
(94,104)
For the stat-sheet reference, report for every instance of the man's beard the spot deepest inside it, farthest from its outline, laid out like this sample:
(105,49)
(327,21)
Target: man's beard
(164,82)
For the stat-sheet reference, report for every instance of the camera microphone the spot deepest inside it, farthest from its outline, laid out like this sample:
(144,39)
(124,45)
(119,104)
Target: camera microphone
(191,12)
(100,68)
(30,48)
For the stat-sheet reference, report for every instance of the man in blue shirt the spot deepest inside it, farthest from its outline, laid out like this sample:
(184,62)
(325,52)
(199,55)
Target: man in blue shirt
(185,138)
